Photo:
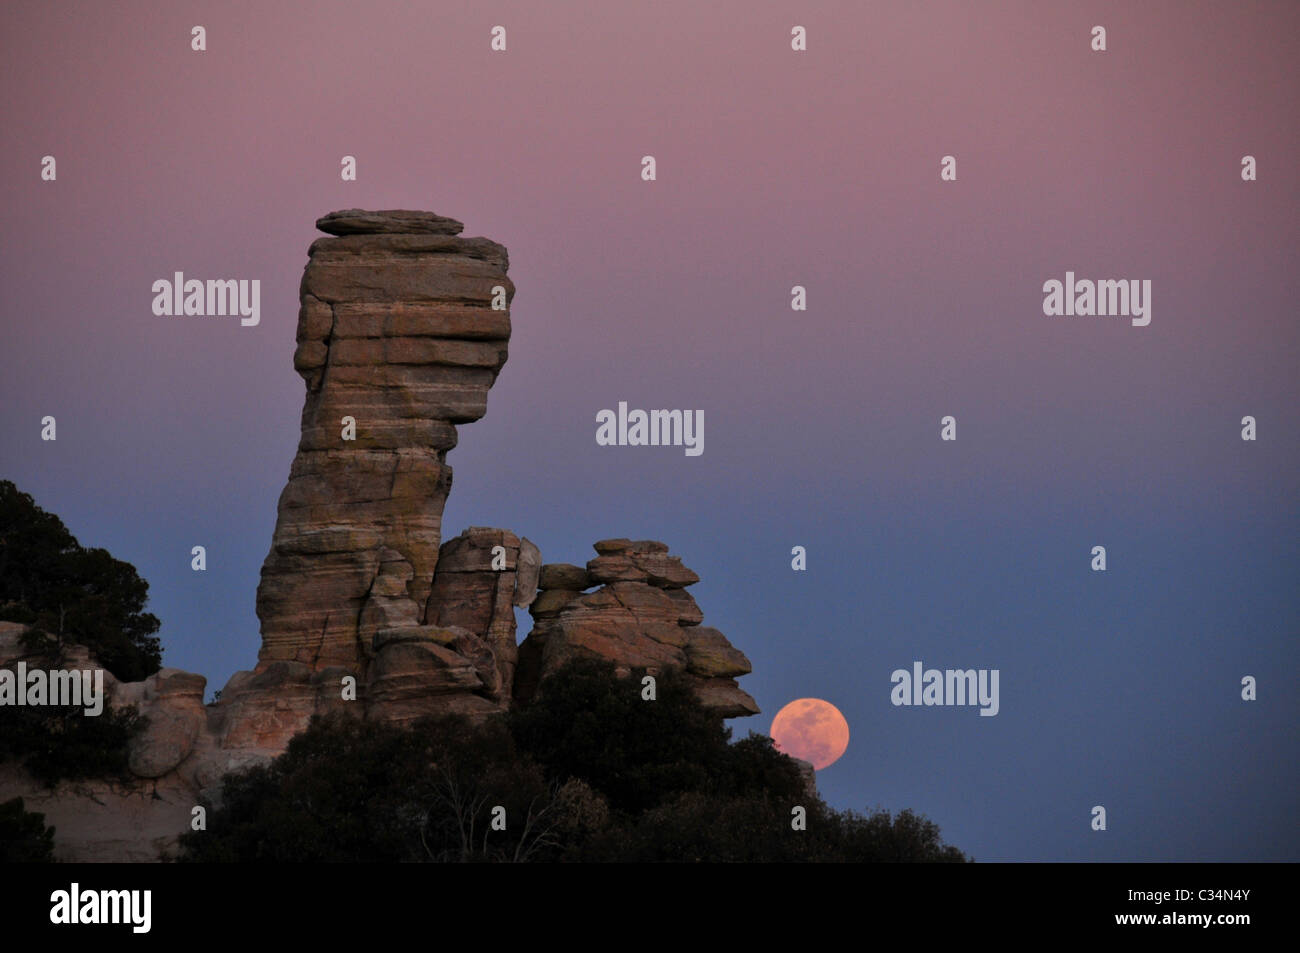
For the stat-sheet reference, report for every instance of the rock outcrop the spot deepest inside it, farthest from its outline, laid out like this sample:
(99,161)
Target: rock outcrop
(398,339)
(403,328)
(482,575)
(640,617)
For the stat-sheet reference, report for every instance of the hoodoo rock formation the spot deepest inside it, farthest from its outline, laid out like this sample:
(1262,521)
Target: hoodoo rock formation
(640,617)
(397,332)
(403,328)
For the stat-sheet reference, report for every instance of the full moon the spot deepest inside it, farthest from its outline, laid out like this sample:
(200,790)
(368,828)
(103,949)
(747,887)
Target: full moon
(811,729)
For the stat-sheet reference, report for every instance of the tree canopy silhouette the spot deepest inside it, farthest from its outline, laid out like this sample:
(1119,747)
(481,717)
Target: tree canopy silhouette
(67,592)
(588,772)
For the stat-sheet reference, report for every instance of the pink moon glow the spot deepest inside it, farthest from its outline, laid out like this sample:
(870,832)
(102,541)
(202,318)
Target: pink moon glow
(811,729)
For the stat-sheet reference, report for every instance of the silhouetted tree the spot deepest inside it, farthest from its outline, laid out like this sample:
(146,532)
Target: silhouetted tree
(354,790)
(58,742)
(69,593)
(589,771)
(588,723)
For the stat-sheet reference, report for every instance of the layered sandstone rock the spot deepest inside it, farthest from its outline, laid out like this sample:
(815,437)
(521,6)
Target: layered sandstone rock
(641,617)
(482,575)
(423,670)
(463,658)
(403,328)
(260,711)
(174,702)
(396,331)
(363,608)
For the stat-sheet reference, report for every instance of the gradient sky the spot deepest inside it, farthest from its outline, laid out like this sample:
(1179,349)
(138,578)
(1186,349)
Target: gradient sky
(822,427)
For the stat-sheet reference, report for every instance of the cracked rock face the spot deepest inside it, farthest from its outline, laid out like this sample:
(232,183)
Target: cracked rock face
(398,336)
(482,575)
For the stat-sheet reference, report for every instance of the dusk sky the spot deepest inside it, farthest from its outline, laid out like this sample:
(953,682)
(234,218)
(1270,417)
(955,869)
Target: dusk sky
(775,168)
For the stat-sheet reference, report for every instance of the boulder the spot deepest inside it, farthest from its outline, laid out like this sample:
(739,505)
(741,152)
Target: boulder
(708,653)
(639,618)
(166,741)
(355,221)
(563,576)
(657,569)
(470,594)
(527,573)
(412,677)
